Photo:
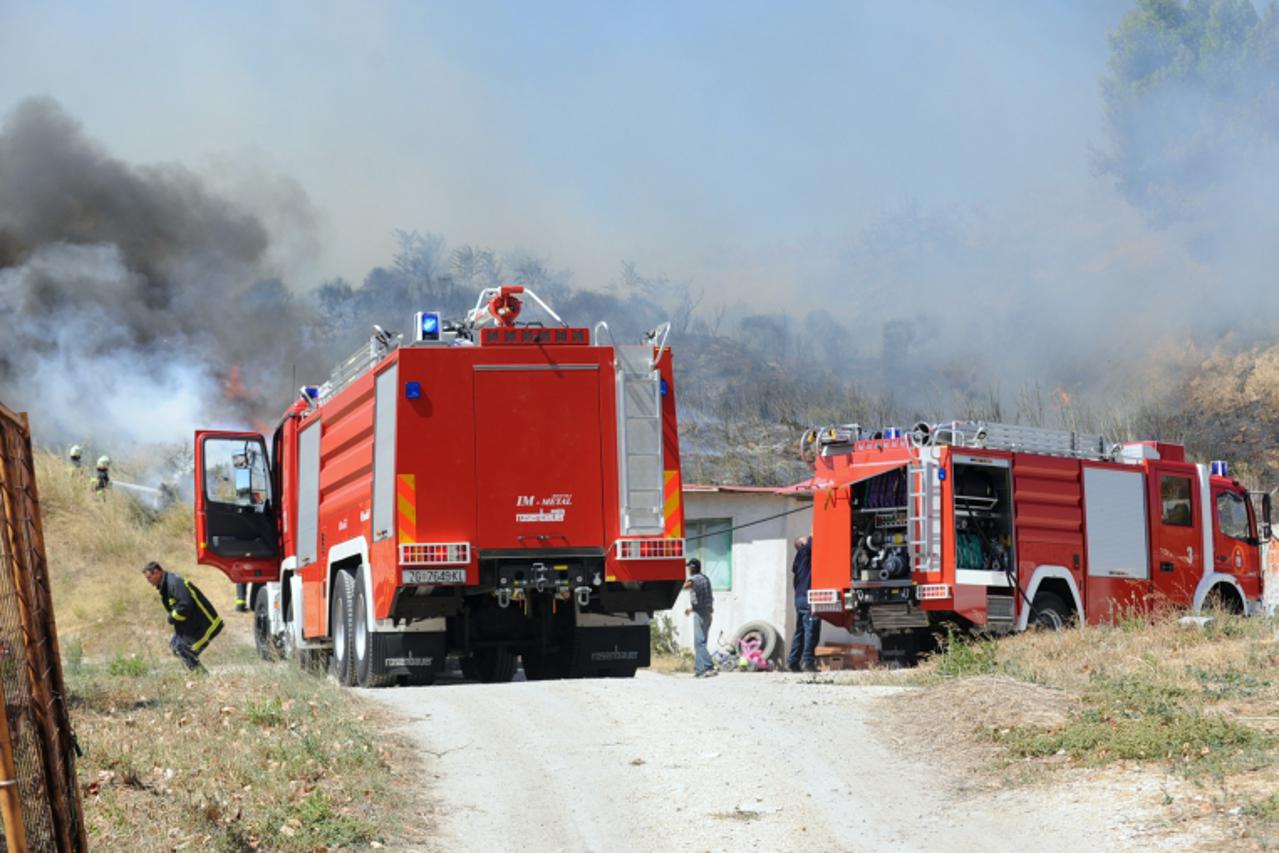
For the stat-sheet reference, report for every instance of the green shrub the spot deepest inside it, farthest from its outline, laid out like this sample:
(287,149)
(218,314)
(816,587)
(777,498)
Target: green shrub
(129,667)
(269,712)
(961,658)
(73,655)
(663,639)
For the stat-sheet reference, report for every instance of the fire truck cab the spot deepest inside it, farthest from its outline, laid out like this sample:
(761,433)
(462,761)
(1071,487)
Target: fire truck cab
(487,490)
(996,527)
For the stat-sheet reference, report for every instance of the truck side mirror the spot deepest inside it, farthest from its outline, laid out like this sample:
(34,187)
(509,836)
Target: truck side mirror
(1265,518)
(243,486)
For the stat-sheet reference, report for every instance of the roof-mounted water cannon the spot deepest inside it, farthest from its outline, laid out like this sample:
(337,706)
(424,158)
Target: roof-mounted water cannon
(501,306)
(816,440)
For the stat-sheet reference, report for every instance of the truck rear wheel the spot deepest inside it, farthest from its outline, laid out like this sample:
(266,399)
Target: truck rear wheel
(369,646)
(341,666)
(493,665)
(545,667)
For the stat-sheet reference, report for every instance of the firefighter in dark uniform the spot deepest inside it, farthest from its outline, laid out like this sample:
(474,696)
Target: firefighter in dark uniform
(241,604)
(195,622)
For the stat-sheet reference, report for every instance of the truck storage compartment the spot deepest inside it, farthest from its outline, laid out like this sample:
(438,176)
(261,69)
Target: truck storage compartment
(538,454)
(983,515)
(879,519)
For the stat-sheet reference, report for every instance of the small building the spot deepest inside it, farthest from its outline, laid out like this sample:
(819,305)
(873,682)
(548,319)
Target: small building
(748,566)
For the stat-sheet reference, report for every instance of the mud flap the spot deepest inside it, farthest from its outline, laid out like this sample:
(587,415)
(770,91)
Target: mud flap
(609,651)
(413,653)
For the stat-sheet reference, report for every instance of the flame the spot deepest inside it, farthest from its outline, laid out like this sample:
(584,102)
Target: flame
(1063,398)
(233,387)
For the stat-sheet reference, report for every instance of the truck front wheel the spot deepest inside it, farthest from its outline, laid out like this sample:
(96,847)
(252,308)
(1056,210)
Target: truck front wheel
(1049,612)
(262,639)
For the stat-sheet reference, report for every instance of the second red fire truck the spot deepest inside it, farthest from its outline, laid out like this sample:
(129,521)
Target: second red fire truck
(488,490)
(997,527)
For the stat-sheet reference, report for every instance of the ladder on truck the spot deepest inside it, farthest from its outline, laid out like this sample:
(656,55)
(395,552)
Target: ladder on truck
(639,439)
(923,516)
(1024,439)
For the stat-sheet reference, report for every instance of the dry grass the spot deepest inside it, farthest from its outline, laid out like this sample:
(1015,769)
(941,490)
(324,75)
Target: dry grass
(1199,703)
(253,756)
(243,759)
(96,545)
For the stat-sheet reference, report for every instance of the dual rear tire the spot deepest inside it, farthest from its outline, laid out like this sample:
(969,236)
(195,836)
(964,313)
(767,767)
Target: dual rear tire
(359,654)
(489,665)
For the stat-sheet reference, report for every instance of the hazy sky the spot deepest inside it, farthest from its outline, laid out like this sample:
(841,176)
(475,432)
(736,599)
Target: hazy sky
(720,143)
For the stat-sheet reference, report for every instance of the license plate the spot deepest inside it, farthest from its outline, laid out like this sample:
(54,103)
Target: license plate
(435,576)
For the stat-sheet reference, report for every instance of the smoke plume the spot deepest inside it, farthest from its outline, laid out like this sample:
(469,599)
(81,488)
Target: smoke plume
(132,295)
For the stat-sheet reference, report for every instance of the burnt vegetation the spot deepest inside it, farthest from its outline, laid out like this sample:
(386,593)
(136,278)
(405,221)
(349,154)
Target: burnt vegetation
(155,288)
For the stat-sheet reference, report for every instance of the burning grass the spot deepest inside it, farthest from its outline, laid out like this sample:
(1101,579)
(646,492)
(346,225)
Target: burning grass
(253,756)
(1196,702)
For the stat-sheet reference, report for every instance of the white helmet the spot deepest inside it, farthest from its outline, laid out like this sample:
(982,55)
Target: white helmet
(74,452)
(104,462)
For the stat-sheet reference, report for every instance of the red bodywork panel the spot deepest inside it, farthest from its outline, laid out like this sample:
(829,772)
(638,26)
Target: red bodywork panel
(1049,529)
(512,445)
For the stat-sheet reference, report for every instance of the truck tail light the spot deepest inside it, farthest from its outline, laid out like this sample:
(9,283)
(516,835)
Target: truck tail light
(649,549)
(932,591)
(435,553)
(824,600)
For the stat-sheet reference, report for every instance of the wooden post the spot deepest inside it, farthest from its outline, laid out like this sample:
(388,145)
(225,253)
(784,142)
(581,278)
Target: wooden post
(35,608)
(15,831)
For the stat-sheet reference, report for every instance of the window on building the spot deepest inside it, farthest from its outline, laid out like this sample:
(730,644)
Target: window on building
(1232,516)
(714,547)
(1174,496)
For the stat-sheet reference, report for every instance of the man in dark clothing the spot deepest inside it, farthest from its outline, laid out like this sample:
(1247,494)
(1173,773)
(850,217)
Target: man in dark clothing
(241,603)
(808,628)
(703,607)
(195,622)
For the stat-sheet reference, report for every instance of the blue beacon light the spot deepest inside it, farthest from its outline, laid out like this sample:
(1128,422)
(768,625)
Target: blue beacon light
(412,390)
(429,326)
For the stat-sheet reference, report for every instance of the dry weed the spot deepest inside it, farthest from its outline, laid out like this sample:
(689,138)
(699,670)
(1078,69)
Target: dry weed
(254,756)
(1197,702)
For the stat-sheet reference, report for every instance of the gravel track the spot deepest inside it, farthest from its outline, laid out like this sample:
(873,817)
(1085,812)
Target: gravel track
(738,762)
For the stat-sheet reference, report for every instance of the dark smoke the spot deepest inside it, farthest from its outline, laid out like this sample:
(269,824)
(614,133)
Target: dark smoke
(138,303)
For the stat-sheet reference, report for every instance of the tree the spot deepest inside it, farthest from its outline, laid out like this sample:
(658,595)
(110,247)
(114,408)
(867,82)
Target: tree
(1192,100)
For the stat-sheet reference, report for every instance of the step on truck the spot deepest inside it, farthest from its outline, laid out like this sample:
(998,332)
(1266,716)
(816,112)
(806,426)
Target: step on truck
(994,527)
(488,490)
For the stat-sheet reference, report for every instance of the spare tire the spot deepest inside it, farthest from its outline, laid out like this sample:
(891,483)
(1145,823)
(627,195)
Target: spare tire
(770,639)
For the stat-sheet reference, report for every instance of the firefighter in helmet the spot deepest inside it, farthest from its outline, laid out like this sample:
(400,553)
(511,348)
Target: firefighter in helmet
(73,459)
(103,481)
(195,622)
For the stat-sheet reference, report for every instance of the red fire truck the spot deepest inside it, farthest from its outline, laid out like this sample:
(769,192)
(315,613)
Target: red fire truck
(995,527)
(488,489)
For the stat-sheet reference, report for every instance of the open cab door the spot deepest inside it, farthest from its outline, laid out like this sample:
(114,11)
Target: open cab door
(235,512)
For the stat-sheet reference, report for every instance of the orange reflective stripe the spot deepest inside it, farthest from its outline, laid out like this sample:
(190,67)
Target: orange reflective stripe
(406,506)
(671,505)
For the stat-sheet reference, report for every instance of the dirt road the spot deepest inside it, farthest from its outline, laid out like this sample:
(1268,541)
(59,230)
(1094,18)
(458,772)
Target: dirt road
(738,762)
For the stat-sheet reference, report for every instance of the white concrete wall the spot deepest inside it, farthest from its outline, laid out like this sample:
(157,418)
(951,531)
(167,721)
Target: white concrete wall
(762,556)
